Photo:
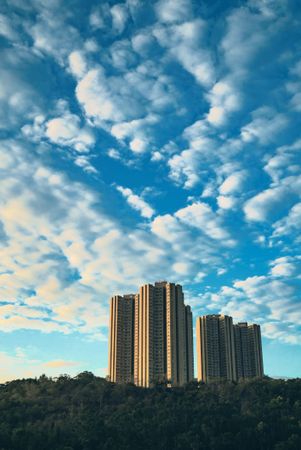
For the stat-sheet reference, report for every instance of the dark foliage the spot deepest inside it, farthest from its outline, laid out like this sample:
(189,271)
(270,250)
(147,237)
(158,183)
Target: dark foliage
(89,413)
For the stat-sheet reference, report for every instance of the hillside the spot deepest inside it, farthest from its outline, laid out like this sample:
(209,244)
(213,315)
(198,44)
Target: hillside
(89,413)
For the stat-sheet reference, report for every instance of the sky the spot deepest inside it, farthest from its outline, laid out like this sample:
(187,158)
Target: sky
(141,141)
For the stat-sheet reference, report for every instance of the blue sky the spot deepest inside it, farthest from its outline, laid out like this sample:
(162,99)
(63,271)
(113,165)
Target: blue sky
(140,141)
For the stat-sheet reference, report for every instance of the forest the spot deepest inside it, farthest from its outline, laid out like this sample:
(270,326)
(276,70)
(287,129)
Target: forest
(89,413)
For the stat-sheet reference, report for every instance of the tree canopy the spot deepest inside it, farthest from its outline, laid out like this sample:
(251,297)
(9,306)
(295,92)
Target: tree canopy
(90,413)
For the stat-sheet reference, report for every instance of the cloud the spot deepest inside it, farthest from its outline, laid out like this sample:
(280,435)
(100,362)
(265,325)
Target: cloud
(64,130)
(285,161)
(50,264)
(201,216)
(7,28)
(188,166)
(23,363)
(119,17)
(77,63)
(270,300)
(53,35)
(173,11)
(266,204)
(60,363)
(290,224)
(184,44)
(225,202)
(136,202)
(138,145)
(265,126)
(223,99)
(283,267)
(20,101)
(83,161)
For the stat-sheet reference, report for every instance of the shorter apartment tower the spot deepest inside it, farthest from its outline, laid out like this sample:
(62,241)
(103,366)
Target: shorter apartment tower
(226,351)
(151,338)
(248,350)
(215,348)
(121,350)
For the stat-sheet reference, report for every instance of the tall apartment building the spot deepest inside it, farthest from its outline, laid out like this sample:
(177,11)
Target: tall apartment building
(248,349)
(160,331)
(227,351)
(215,348)
(121,354)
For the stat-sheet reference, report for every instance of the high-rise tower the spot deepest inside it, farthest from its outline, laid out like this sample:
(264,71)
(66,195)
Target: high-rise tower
(160,332)
(248,349)
(227,351)
(215,348)
(121,344)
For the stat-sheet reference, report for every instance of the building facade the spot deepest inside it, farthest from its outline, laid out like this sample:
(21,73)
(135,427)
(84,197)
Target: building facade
(248,349)
(159,341)
(226,351)
(121,350)
(215,348)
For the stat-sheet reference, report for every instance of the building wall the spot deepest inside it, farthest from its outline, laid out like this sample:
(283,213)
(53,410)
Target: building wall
(189,344)
(121,361)
(248,350)
(151,337)
(227,351)
(215,348)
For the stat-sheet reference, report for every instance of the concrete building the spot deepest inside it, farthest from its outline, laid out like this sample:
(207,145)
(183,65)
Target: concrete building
(226,351)
(121,342)
(189,344)
(215,348)
(160,332)
(248,349)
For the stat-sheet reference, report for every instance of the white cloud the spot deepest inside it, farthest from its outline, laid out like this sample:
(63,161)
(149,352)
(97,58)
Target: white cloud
(173,11)
(181,268)
(94,95)
(84,162)
(223,99)
(157,156)
(233,183)
(283,267)
(142,43)
(138,145)
(201,216)
(96,20)
(7,29)
(184,44)
(77,63)
(53,36)
(286,160)
(136,202)
(66,131)
(291,223)
(122,55)
(265,204)
(265,126)
(105,99)
(247,32)
(113,153)
(272,301)
(187,166)
(225,202)
(119,17)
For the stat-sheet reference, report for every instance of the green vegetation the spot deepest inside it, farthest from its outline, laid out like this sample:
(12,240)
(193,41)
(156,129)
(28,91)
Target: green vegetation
(89,413)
